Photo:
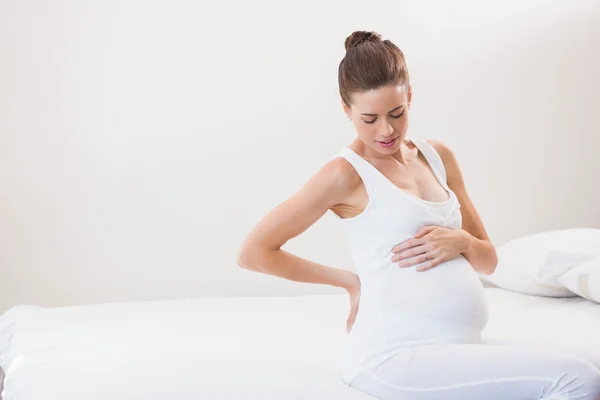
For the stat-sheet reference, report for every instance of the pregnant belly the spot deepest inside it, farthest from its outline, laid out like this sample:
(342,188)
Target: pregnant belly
(448,297)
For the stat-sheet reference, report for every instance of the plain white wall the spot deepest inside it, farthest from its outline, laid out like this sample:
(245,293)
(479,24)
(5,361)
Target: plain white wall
(140,141)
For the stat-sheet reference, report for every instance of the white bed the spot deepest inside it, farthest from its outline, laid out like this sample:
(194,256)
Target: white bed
(232,348)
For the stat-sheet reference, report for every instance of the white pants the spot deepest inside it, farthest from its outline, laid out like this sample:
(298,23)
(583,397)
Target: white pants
(481,371)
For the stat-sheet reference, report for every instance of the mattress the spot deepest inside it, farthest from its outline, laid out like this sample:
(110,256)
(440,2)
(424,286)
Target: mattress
(233,348)
(571,324)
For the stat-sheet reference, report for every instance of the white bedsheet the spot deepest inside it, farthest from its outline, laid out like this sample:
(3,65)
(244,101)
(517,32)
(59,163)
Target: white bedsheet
(571,324)
(232,348)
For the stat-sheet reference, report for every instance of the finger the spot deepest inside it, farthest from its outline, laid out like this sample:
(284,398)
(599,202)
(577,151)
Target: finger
(349,325)
(421,258)
(410,253)
(407,245)
(429,264)
(351,318)
(424,230)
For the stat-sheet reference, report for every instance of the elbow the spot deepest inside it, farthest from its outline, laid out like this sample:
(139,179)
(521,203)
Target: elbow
(250,256)
(243,255)
(490,270)
(492,264)
(243,258)
(253,255)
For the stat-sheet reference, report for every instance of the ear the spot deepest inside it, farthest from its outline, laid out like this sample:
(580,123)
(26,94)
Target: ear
(346,109)
(409,95)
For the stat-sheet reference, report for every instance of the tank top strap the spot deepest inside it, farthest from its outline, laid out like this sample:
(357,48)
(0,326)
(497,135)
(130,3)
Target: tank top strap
(371,177)
(434,159)
(364,169)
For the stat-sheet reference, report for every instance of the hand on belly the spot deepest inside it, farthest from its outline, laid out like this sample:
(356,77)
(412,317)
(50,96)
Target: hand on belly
(431,246)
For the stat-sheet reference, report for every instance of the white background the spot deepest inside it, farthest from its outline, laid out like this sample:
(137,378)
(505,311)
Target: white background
(140,141)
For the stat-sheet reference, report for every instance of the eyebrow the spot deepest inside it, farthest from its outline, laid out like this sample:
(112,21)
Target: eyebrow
(374,115)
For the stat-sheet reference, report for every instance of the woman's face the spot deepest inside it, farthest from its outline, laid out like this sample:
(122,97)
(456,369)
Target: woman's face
(381,116)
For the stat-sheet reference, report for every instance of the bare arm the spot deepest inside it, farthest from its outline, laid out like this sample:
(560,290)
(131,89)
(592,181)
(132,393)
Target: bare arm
(261,249)
(481,252)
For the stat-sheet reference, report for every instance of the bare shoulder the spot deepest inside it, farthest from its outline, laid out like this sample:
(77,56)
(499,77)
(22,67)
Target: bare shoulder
(453,173)
(341,175)
(443,150)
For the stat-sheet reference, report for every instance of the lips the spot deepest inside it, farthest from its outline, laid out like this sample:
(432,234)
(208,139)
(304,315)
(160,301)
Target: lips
(388,141)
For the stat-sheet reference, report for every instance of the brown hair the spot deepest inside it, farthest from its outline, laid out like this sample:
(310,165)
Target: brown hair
(370,63)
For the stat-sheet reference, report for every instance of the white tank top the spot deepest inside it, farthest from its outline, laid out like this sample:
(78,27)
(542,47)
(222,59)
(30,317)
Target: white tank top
(402,307)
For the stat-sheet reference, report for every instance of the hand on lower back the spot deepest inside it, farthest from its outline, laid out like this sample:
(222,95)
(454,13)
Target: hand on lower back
(354,303)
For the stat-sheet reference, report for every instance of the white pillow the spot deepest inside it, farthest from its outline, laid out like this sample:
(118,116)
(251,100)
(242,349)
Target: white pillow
(581,278)
(520,260)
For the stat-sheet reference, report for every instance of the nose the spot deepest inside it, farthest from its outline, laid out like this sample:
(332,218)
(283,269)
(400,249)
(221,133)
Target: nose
(388,130)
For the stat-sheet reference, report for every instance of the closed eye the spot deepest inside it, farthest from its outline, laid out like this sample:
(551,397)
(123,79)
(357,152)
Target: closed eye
(393,116)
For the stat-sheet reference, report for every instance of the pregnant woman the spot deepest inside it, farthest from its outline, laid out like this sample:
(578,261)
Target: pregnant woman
(417,305)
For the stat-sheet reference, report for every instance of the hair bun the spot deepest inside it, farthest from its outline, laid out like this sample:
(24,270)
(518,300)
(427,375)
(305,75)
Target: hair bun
(359,37)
